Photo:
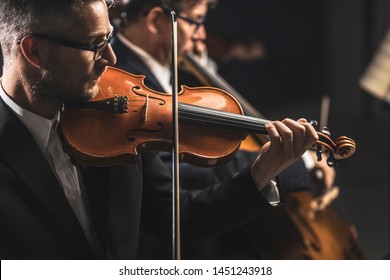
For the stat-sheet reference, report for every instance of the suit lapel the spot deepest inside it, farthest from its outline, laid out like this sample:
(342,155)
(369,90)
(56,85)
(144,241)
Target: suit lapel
(20,152)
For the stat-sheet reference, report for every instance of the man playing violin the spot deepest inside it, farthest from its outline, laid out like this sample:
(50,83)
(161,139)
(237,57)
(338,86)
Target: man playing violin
(52,208)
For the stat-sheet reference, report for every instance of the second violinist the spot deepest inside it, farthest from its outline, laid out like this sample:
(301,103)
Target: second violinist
(143,47)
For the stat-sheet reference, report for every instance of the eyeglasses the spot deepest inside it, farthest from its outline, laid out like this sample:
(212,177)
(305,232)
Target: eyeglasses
(197,23)
(191,21)
(97,49)
(110,3)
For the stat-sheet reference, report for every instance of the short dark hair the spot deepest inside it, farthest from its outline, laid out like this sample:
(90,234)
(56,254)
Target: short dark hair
(20,17)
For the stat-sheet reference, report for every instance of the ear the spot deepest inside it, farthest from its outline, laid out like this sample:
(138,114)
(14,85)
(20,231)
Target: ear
(156,19)
(32,51)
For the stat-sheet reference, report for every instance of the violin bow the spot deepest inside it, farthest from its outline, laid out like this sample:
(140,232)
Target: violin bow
(176,248)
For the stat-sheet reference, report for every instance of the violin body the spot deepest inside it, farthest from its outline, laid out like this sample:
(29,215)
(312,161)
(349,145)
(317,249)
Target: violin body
(100,138)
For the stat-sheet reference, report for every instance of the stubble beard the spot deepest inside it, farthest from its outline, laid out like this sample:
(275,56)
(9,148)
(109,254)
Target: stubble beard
(53,89)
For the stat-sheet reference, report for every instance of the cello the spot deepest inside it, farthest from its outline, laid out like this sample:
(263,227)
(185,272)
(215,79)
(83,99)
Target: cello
(306,227)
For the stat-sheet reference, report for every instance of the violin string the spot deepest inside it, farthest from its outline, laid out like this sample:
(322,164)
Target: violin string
(211,117)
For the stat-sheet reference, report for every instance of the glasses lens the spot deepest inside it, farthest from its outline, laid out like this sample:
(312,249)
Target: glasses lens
(195,23)
(99,52)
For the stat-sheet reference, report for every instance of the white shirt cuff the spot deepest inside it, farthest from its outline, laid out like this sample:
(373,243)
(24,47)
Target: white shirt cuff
(308,160)
(271,193)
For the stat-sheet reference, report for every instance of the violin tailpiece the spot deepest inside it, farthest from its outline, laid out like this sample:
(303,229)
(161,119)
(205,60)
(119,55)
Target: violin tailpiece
(114,105)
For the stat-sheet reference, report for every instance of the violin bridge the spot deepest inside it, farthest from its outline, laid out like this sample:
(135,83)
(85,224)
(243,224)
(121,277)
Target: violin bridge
(146,107)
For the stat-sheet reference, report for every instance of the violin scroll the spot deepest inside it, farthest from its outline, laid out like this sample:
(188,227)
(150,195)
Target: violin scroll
(343,148)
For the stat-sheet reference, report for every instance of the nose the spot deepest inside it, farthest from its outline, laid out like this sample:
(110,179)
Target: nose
(108,58)
(199,40)
(200,33)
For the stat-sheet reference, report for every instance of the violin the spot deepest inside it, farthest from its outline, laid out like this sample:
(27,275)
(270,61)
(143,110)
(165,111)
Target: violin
(127,118)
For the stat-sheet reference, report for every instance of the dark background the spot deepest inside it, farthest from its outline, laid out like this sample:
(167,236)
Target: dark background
(316,48)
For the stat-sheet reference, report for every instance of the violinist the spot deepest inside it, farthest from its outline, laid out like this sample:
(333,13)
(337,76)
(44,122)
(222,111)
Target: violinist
(143,47)
(56,52)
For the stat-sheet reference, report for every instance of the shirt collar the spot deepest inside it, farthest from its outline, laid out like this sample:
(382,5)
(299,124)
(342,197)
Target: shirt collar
(38,126)
(161,72)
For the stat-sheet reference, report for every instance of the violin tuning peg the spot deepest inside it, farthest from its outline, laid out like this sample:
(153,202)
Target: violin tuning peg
(319,153)
(331,161)
(314,123)
(325,130)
